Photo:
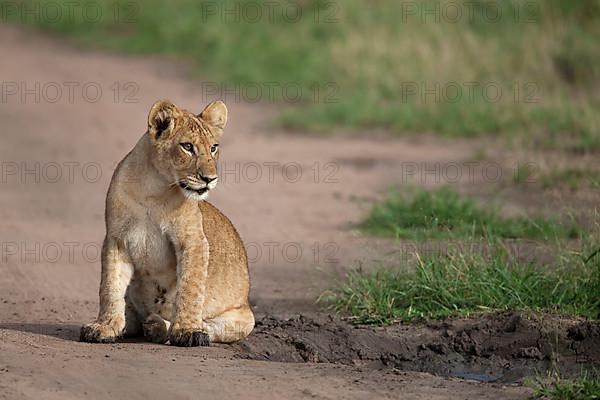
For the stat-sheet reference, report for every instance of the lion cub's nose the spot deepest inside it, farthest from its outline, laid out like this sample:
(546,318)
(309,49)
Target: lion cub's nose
(207,179)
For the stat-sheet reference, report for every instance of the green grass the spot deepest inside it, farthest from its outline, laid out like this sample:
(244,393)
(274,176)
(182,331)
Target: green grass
(525,173)
(584,388)
(443,286)
(459,284)
(574,178)
(444,214)
(373,55)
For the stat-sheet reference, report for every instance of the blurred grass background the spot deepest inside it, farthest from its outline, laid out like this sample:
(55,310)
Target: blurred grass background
(373,51)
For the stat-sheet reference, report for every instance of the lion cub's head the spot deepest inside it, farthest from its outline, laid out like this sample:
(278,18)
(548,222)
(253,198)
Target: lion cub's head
(187,145)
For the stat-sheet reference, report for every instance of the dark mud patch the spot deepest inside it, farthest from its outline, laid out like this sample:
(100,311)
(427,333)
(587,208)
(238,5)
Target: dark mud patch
(496,347)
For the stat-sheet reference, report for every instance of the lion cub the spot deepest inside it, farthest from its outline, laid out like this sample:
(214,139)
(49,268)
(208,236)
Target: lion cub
(173,266)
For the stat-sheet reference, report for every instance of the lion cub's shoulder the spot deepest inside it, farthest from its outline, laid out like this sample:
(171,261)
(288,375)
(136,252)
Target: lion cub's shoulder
(219,229)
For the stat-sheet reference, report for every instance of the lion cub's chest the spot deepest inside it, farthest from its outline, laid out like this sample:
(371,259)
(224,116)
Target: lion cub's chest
(150,249)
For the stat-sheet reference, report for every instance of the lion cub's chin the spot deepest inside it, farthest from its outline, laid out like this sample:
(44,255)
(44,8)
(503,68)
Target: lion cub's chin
(195,196)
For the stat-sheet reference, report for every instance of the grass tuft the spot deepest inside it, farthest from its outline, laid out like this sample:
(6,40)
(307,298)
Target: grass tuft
(443,286)
(574,178)
(444,214)
(585,387)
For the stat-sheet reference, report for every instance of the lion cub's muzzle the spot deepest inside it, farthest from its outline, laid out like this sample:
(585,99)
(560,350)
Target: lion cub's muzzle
(199,185)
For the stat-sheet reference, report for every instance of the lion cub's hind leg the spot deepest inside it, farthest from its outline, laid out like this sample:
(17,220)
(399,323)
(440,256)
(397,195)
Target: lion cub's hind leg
(230,326)
(156,329)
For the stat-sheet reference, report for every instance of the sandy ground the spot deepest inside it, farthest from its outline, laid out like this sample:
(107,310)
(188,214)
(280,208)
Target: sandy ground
(295,218)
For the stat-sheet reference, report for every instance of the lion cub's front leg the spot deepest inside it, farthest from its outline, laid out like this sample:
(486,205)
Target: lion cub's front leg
(117,271)
(192,270)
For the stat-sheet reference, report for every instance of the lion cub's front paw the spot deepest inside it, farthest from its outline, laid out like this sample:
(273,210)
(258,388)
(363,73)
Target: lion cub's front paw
(187,337)
(99,333)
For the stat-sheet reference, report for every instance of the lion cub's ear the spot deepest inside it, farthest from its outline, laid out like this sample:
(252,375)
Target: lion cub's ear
(215,114)
(161,118)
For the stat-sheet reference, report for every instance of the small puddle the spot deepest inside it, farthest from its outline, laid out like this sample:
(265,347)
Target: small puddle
(475,376)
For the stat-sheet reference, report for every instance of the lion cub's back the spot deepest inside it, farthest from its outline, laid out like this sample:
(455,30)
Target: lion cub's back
(228,278)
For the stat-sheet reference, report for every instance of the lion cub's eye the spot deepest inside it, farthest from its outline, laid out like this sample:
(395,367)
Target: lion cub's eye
(188,147)
(214,148)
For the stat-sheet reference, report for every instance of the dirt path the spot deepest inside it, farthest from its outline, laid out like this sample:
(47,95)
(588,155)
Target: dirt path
(296,229)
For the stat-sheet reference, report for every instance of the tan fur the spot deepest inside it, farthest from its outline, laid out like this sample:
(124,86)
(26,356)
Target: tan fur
(173,266)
